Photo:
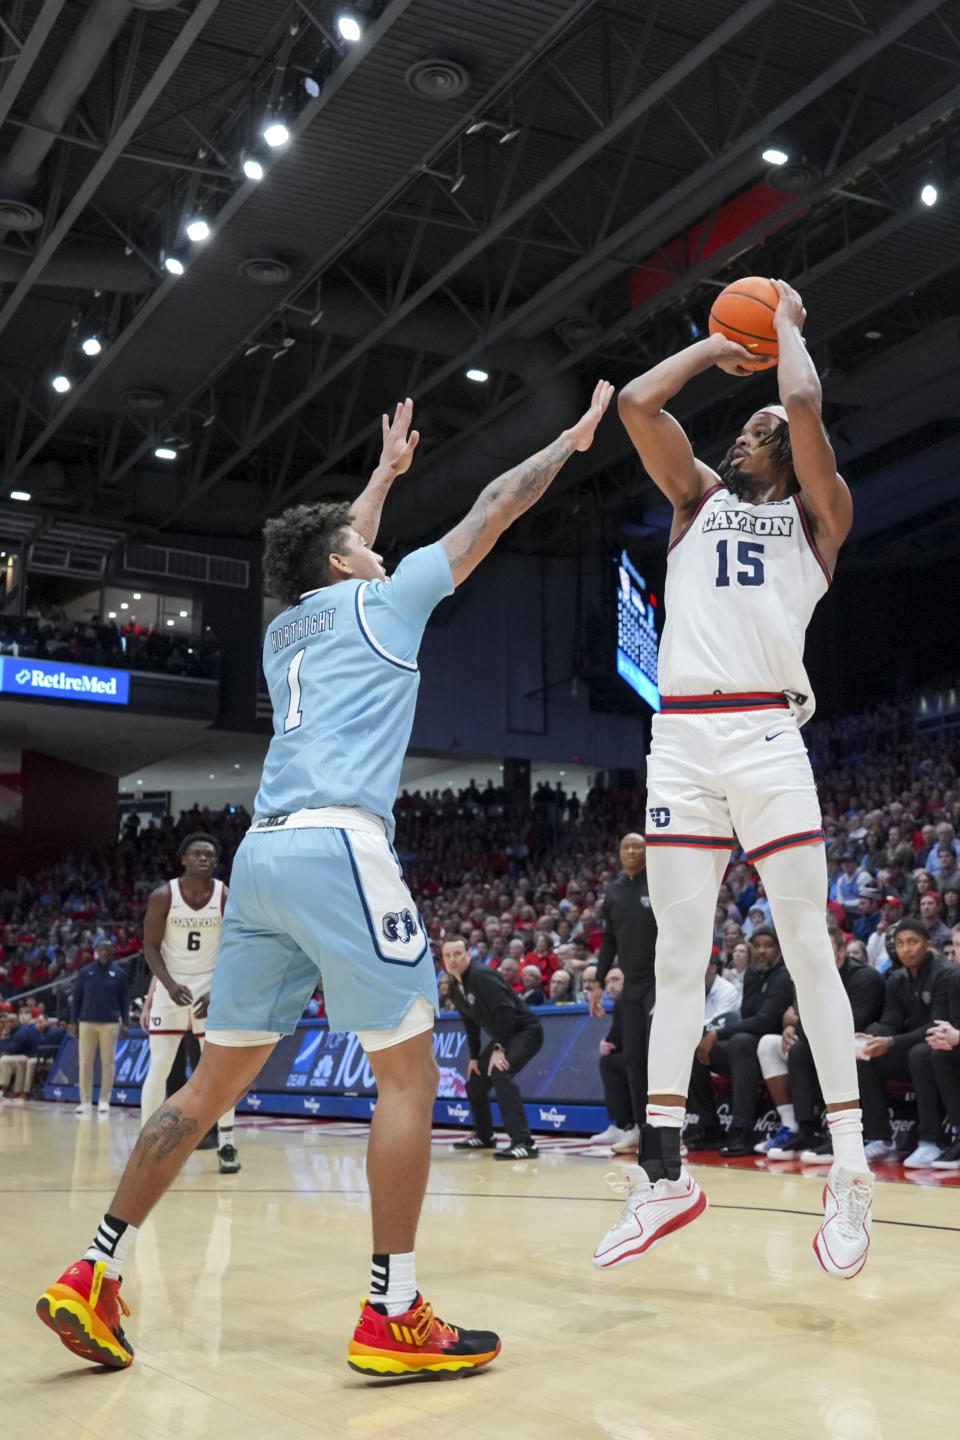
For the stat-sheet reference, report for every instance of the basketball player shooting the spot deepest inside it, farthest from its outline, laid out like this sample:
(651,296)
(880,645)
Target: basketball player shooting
(317,890)
(752,549)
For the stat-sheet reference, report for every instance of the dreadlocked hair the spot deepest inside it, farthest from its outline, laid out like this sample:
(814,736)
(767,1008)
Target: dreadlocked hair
(297,546)
(781,454)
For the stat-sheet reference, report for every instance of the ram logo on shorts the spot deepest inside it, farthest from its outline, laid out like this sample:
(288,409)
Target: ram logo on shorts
(660,815)
(400,927)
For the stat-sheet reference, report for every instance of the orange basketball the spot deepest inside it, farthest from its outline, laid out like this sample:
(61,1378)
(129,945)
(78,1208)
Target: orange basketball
(744,312)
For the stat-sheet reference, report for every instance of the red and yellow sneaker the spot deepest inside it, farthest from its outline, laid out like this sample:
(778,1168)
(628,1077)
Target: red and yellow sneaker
(83,1307)
(416,1343)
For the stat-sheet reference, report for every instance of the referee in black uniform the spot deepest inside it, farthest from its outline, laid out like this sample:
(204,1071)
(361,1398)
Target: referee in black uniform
(630,941)
(486,1002)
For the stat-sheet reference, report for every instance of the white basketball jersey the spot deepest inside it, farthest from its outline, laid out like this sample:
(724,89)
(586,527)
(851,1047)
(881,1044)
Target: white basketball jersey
(192,936)
(742,583)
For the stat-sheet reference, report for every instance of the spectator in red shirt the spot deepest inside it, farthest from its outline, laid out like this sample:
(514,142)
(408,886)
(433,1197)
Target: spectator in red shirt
(510,971)
(542,956)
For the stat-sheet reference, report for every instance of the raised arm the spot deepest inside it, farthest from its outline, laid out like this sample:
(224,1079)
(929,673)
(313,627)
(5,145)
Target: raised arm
(396,456)
(815,465)
(513,492)
(660,442)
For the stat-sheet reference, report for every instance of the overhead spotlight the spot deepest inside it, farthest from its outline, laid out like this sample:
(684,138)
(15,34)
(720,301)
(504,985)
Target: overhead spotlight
(208,420)
(165,452)
(198,230)
(173,264)
(287,343)
(62,383)
(452,182)
(276,133)
(312,86)
(112,615)
(171,622)
(480,376)
(19,494)
(183,614)
(252,167)
(137,595)
(349,28)
(91,346)
(124,605)
(506,132)
(775,156)
(929,194)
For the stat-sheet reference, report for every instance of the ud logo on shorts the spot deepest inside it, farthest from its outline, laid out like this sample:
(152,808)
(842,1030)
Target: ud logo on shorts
(660,815)
(400,927)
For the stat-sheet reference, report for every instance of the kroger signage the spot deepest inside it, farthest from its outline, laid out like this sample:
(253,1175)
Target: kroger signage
(49,680)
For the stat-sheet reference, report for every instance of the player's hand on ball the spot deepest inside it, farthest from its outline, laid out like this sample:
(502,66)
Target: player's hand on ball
(586,427)
(180,995)
(790,311)
(399,441)
(735,359)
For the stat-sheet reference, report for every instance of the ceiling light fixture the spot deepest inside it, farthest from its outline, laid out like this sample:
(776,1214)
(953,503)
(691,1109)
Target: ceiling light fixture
(774,155)
(170,622)
(19,494)
(452,181)
(137,595)
(480,376)
(252,167)
(929,194)
(91,346)
(276,133)
(173,264)
(198,230)
(349,27)
(165,452)
(183,614)
(506,132)
(61,383)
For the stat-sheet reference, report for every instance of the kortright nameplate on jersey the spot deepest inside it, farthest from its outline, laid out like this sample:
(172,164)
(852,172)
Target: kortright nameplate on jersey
(49,680)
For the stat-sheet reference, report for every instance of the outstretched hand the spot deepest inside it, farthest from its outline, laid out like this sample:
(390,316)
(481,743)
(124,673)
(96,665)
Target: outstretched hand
(790,309)
(583,432)
(399,441)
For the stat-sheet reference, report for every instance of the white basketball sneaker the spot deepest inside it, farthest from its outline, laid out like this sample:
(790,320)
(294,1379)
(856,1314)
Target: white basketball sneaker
(610,1136)
(843,1240)
(652,1212)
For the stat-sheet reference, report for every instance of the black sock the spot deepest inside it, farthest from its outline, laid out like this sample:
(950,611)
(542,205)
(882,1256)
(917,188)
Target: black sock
(660,1152)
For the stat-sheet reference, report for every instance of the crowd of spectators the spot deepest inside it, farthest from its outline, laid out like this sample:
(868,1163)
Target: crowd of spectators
(107,643)
(523,878)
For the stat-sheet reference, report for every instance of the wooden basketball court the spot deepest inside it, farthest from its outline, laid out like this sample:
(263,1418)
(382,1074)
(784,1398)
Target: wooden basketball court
(244,1290)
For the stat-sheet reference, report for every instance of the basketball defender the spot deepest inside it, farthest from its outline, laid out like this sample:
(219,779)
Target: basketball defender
(752,550)
(181,936)
(317,887)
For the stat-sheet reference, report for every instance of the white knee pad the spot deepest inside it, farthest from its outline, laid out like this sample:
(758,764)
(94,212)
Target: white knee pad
(770,1056)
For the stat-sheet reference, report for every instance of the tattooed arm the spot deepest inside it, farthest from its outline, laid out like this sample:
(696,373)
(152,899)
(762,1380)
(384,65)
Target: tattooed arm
(513,492)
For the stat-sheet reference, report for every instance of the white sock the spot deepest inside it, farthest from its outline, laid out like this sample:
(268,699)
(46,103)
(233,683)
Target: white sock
(393,1282)
(846,1133)
(666,1117)
(788,1115)
(110,1244)
(224,1136)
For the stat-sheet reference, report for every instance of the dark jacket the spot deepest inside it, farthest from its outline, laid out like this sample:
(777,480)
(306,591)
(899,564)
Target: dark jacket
(100,995)
(766,994)
(615,1033)
(536,996)
(486,1002)
(911,1006)
(629,934)
(866,992)
(25,1040)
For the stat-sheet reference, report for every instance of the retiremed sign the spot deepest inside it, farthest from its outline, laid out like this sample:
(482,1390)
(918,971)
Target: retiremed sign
(49,680)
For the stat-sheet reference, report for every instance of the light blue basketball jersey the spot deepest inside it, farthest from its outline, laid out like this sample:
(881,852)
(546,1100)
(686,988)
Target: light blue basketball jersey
(342,672)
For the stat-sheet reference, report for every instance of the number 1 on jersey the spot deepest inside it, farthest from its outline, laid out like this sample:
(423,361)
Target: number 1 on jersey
(294,716)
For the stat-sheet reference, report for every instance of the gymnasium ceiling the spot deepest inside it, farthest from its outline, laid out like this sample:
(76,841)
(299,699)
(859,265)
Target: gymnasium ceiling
(583,230)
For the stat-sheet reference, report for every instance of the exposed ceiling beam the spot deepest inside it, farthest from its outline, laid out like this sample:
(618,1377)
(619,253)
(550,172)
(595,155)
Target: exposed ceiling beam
(657,224)
(535,195)
(32,46)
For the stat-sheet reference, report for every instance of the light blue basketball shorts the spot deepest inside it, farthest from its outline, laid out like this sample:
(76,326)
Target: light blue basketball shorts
(310,899)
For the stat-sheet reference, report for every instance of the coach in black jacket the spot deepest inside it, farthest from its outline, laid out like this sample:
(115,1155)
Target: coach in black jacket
(630,942)
(767,991)
(487,1002)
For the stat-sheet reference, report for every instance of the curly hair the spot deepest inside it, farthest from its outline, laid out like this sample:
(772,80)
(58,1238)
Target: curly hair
(297,546)
(199,837)
(781,454)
